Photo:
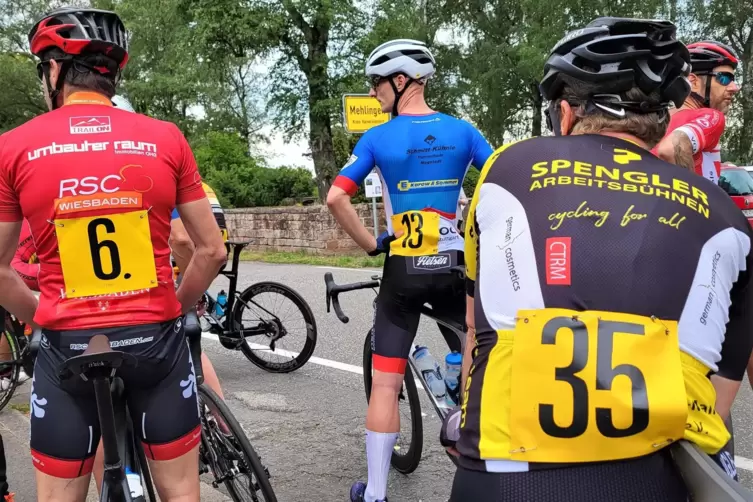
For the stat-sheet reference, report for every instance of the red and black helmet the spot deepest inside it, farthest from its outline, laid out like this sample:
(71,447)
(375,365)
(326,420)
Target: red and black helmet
(708,54)
(80,32)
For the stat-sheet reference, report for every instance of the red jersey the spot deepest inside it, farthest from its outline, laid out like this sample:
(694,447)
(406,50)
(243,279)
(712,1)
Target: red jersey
(97,185)
(25,261)
(704,127)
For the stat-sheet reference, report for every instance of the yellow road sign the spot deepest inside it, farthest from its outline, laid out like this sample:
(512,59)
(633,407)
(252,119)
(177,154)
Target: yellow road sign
(361,112)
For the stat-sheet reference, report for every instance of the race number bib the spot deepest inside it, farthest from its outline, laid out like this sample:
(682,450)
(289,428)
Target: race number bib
(106,254)
(594,386)
(420,233)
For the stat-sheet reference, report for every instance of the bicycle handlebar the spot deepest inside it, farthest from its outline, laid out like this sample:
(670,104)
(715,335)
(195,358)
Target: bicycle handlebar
(334,290)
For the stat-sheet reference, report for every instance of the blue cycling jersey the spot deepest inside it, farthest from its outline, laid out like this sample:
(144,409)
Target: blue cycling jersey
(421,161)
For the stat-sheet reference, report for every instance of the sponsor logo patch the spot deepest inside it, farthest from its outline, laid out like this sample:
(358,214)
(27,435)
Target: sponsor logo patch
(432,262)
(90,125)
(558,261)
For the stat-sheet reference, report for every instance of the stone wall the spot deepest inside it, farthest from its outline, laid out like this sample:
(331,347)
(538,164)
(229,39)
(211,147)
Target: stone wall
(295,228)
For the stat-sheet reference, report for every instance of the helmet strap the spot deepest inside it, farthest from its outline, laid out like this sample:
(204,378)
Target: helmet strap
(704,100)
(65,65)
(398,94)
(553,118)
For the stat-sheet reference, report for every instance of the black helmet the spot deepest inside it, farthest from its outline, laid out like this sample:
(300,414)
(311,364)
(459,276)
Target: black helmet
(615,55)
(707,55)
(78,32)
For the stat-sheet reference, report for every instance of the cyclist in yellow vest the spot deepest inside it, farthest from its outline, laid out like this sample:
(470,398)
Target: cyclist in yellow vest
(608,290)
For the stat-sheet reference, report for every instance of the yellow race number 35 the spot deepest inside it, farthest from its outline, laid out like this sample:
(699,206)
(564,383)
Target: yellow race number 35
(594,386)
(117,254)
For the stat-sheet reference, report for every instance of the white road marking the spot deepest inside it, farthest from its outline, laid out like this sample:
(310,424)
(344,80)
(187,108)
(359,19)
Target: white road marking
(744,463)
(316,360)
(369,270)
(741,462)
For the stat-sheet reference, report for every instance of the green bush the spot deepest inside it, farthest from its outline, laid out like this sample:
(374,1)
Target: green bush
(241,180)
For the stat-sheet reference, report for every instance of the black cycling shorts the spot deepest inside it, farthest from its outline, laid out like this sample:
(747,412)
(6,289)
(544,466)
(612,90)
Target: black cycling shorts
(652,478)
(160,392)
(407,284)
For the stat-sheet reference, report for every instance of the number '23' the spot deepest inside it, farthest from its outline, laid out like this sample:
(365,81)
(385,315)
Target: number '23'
(605,375)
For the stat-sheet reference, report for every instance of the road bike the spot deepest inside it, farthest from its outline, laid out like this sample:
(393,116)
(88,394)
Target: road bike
(406,455)
(224,452)
(15,356)
(254,313)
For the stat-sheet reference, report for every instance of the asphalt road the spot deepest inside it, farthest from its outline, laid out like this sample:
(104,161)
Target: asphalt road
(308,426)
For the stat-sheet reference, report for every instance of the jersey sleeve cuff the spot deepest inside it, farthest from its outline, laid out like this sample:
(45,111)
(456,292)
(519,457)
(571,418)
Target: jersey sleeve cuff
(470,287)
(190,194)
(11,216)
(346,184)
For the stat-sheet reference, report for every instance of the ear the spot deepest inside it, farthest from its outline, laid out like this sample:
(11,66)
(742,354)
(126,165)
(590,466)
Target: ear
(696,83)
(400,81)
(54,74)
(567,117)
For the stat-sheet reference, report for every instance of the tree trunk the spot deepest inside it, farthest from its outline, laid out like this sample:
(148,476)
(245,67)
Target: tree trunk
(320,135)
(537,103)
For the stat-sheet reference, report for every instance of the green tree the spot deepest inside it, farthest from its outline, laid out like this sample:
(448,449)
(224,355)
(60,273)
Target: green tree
(21,99)
(298,36)
(509,41)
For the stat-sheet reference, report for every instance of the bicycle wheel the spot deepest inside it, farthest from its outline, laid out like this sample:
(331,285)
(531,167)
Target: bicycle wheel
(10,367)
(262,315)
(403,459)
(230,457)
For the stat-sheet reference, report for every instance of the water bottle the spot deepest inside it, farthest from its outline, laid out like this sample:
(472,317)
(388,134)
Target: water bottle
(453,364)
(219,307)
(430,372)
(134,483)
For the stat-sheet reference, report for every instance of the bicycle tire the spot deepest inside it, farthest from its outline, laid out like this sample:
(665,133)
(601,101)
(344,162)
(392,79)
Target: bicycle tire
(252,460)
(15,367)
(303,307)
(408,462)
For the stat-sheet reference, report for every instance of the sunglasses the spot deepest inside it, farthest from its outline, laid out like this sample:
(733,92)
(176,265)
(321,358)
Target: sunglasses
(724,78)
(375,81)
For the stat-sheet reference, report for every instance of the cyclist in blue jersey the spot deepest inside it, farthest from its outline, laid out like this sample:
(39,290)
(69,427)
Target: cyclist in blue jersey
(421,157)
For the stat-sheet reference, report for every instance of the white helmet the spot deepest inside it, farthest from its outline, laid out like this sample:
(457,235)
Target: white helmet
(410,57)
(121,102)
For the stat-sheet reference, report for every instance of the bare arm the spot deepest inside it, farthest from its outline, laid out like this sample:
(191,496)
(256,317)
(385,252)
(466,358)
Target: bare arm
(15,296)
(677,149)
(209,254)
(726,390)
(470,344)
(180,244)
(338,202)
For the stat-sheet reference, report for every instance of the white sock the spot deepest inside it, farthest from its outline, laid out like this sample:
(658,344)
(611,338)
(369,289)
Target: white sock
(379,446)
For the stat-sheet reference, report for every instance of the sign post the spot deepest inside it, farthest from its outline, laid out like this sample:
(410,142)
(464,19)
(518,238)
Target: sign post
(373,188)
(361,112)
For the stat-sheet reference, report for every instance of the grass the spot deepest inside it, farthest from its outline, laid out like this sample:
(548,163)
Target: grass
(303,258)
(22,407)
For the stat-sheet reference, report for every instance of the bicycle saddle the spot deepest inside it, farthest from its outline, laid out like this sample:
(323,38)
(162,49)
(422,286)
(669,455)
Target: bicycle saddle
(98,360)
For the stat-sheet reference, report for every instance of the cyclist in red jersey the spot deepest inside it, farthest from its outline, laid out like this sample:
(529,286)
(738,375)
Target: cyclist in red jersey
(694,131)
(25,260)
(97,185)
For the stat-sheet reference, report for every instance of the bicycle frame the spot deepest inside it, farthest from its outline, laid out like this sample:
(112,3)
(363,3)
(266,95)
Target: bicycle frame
(452,331)
(222,326)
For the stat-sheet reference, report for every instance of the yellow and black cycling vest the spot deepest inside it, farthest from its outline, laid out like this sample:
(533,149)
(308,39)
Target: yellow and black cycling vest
(608,285)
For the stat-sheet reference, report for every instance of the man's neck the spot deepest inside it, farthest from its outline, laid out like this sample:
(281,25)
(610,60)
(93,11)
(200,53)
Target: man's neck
(413,104)
(691,104)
